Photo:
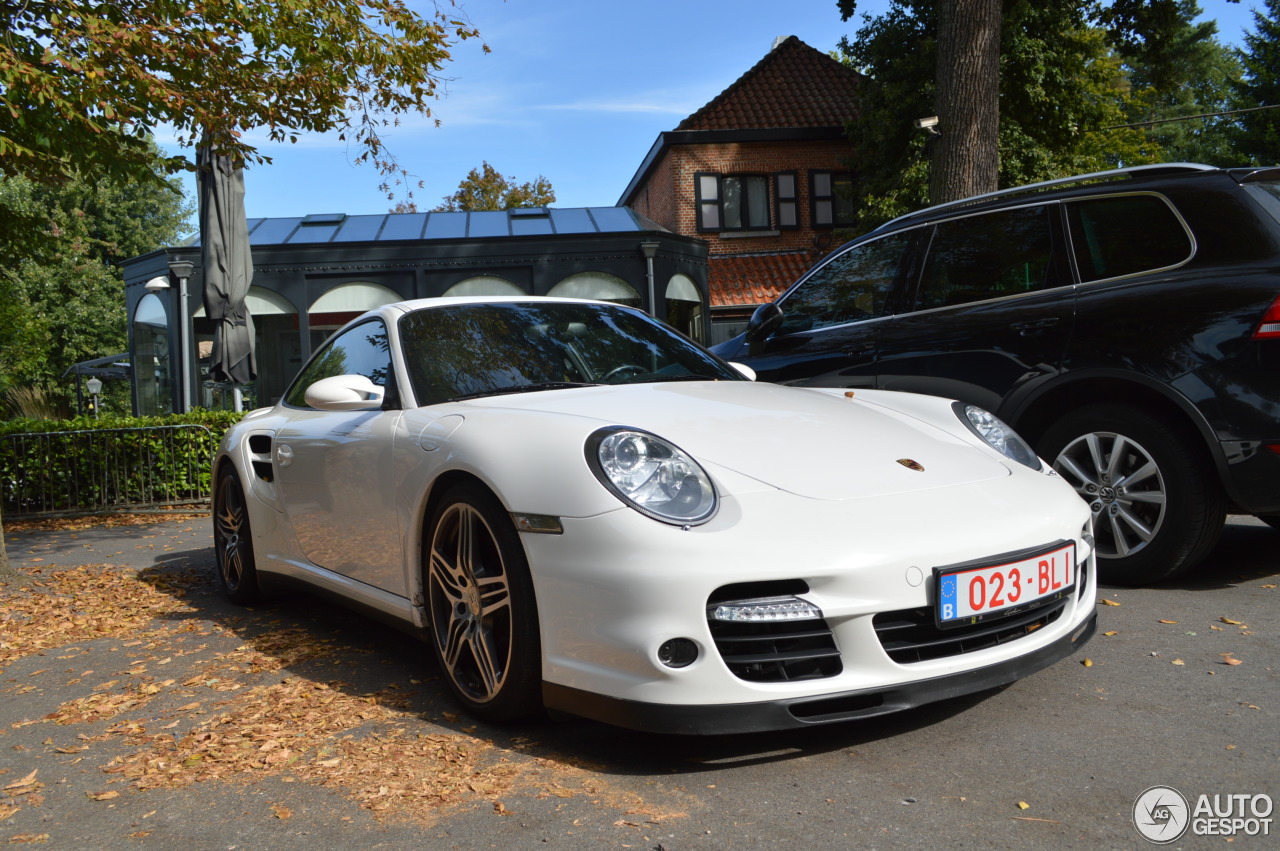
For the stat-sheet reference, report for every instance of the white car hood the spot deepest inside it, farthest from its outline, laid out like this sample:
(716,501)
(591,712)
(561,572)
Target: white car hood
(804,442)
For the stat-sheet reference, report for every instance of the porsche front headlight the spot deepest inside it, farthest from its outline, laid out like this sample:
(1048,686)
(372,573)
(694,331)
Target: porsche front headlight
(996,433)
(651,475)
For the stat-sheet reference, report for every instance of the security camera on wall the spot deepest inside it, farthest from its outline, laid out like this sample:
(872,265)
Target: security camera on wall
(157,284)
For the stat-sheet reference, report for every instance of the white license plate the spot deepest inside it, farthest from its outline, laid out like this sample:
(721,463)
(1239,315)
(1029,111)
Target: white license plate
(975,592)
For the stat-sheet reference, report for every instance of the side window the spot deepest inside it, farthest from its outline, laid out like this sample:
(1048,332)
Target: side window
(851,286)
(988,256)
(1266,193)
(1126,234)
(362,350)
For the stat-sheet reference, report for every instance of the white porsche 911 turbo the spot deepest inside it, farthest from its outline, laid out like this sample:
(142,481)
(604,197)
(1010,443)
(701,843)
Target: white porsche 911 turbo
(583,511)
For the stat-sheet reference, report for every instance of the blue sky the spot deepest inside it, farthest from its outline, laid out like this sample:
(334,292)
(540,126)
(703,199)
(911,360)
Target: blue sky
(574,90)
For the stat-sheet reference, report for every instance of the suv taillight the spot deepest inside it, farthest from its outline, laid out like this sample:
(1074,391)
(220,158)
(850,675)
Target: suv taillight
(1269,327)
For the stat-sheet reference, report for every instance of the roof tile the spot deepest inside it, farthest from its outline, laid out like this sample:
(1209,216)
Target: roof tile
(754,278)
(794,85)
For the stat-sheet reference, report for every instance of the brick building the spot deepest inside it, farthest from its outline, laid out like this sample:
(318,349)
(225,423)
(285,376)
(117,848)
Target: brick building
(757,173)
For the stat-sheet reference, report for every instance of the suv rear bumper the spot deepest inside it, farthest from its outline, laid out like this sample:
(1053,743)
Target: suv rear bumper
(1252,475)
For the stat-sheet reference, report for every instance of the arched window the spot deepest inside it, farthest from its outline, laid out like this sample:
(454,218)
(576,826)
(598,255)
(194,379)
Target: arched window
(684,307)
(152,362)
(482,285)
(343,303)
(277,349)
(597,285)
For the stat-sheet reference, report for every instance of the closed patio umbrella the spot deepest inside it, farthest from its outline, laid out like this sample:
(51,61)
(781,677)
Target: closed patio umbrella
(227,265)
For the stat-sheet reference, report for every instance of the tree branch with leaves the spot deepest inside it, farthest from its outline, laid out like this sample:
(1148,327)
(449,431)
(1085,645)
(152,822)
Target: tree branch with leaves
(85,84)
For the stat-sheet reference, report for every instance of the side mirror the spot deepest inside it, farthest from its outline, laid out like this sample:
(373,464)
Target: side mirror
(345,393)
(746,371)
(764,322)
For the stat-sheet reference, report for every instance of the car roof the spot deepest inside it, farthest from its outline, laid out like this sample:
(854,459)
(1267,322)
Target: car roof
(1062,184)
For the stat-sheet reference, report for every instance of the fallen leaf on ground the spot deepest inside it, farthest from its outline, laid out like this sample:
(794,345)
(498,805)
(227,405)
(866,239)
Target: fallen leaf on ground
(26,781)
(1107,602)
(1023,805)
(1165,621)
(1230,621)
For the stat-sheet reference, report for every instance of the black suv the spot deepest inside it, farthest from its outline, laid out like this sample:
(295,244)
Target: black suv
(1126,323)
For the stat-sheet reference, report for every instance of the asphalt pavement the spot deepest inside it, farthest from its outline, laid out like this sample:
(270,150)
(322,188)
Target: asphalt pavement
(169,718)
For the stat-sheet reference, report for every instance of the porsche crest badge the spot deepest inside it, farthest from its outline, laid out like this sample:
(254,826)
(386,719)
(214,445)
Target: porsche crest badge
(911,465)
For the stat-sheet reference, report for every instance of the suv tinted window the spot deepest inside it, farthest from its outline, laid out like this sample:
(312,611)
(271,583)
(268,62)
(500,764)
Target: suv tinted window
(987,256)
(362,350)
(1266,193)
(852,286)
(1124,235)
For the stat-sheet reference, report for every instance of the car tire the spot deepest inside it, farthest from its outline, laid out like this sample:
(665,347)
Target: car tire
(1148,528)
(233,540)
(482,614)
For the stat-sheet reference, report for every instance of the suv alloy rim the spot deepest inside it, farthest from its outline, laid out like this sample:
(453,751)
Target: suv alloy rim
(1123,486)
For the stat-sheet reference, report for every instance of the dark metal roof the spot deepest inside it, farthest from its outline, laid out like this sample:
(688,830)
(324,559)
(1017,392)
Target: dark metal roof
(391,227)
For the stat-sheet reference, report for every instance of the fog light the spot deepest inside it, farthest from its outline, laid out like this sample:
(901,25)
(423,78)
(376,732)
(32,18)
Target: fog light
(678,653)
(766,610)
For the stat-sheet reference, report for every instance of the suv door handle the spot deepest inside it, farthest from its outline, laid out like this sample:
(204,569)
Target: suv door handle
(1026,329)
(860,354)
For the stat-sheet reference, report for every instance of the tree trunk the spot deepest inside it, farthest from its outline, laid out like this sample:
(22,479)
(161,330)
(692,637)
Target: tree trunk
(966,158)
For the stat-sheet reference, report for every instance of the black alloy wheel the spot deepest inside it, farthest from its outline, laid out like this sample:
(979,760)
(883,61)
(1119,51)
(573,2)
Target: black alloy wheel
(232,540)
(480,601)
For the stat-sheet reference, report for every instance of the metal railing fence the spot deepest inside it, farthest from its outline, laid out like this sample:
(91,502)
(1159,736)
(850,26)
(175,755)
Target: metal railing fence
(104,469)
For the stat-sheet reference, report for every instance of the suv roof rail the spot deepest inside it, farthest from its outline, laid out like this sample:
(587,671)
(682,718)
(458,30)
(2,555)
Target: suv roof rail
(1154,169)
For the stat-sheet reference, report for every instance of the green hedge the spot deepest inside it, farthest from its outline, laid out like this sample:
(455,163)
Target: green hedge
(109,462)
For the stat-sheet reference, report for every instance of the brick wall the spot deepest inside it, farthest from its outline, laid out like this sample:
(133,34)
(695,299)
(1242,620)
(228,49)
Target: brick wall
(669,195)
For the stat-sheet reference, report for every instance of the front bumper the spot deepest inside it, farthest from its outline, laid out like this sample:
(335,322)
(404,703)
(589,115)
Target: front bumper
(808,711)
(613,588)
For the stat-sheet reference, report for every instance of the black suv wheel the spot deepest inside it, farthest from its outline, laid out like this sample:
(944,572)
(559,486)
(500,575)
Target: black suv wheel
(1157,507)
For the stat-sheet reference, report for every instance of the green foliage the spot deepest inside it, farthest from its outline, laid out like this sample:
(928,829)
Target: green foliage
(86,464)
(83,84)
(61,289)
(1071,74)
(486,189)
(1258,139)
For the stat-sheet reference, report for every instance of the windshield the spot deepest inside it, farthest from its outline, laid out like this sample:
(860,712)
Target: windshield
(466,350)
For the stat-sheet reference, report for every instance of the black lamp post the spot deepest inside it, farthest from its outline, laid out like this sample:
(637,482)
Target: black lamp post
(182,271)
